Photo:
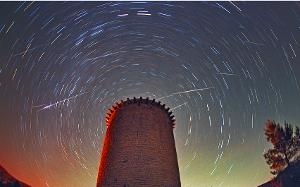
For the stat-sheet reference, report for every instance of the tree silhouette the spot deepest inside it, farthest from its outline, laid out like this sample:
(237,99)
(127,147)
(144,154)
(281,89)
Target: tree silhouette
(286,145)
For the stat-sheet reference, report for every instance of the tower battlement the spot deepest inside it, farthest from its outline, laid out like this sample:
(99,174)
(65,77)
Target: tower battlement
(110,115)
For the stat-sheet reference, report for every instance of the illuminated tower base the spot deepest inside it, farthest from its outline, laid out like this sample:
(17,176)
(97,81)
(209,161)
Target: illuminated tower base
(139,147)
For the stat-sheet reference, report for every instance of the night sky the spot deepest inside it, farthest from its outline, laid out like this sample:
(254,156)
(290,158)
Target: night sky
(223,68)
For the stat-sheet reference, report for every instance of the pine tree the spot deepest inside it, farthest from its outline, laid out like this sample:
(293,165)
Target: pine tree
(286,145)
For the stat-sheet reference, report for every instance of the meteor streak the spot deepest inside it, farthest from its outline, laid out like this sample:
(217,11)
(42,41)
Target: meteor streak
(58,102)
(187,91)
(178,106)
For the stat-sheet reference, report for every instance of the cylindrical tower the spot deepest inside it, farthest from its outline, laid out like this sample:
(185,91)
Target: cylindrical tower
(139,147)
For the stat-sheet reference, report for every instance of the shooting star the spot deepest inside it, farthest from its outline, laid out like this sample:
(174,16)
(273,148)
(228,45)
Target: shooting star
(178,106)
(187,91)
(254,43)
(230,74)
(57,102)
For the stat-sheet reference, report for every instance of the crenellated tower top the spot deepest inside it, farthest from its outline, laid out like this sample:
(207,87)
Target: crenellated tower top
(110,115)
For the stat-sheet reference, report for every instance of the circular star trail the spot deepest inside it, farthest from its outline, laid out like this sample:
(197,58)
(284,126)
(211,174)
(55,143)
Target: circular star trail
(223,68)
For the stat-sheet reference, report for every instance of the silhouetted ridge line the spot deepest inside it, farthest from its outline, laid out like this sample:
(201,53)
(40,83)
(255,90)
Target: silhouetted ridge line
(7,180)
(289,177)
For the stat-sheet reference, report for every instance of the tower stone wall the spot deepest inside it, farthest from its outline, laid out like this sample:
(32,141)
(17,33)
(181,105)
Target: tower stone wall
(139,147)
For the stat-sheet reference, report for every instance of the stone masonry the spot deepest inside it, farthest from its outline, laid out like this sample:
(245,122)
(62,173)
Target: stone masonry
(139,147)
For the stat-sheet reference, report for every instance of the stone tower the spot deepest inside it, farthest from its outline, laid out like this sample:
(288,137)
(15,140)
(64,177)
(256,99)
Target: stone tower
(139,147)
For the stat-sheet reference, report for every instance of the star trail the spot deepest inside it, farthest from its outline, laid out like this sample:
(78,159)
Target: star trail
(224,68)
